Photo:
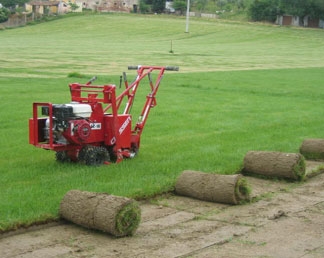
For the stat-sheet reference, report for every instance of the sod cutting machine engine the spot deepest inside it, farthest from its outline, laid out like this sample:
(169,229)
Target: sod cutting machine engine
(91,129)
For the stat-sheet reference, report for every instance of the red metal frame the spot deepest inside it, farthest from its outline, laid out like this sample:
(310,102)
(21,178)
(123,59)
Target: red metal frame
(130,91)
(95,96)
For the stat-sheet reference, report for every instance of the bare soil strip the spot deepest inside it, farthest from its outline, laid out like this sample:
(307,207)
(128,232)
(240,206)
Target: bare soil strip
(285,220)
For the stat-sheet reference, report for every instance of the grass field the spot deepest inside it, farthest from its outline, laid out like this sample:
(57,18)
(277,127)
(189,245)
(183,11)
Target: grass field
(240,87)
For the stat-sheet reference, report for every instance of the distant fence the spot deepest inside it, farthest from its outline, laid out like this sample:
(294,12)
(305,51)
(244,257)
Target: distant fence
(17,20)
(307,21)
(204,15)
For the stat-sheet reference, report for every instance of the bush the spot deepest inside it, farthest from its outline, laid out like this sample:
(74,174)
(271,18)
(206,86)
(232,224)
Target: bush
(264,10)
(180,5)
(4,14)
(144,7)
(158,6)
(76,75)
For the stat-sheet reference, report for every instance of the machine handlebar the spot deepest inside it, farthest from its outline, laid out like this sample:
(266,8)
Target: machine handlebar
(91,80)
(133,67)
(172,68)
(167,68)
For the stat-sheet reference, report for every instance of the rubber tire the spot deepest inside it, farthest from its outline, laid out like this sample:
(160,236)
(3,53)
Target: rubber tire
(93,155)
(62,156)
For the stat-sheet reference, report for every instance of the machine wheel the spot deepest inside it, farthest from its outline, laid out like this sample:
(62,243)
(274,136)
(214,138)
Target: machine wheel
(82,153)
(93,155)
(62,156)
(134,150)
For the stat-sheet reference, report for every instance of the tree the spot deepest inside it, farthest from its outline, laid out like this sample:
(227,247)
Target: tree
(4,14)
(158,6)
(320,5)
(240,4)
(221,3)
(268,9)
(295,7)
(13,3)
(264,10)
(73,6)
(201,4)
(302,8)
(144,7)
(180,5)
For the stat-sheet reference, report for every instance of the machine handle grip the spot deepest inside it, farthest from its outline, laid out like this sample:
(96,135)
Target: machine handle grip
(133,67)
(167,68)
(172,68)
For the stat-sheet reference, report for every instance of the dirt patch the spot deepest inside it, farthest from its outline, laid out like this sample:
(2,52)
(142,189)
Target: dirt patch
(285,220)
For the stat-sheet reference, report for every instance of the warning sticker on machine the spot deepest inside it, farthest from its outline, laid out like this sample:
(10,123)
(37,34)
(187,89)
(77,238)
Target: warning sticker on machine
(95,126)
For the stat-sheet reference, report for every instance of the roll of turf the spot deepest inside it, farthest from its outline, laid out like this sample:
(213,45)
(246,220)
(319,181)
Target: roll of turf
(275,164)
(229,189)
(312,149)
(119,216)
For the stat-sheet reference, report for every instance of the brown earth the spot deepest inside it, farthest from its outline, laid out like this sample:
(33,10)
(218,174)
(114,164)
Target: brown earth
(285,220)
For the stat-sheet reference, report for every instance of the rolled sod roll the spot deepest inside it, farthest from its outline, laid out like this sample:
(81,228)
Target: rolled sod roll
(275,164)
(229,189)
(312,149)
(119,216)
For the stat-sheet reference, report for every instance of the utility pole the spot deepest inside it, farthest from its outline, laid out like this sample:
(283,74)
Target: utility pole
(187,16)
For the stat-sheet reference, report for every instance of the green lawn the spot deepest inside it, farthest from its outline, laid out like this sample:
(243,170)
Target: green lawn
(240,87)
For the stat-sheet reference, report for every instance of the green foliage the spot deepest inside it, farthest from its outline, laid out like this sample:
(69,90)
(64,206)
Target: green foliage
(264,10)
(201,4)
(219,6)
(13,3)
(207,6)
(180,5)
(158,6)
(73,6)
(4,14)
(242,4)
(302,8)
(76,75)
(144,7)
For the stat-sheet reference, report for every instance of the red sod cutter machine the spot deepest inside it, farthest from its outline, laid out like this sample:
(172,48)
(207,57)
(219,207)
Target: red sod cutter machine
(91,128)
